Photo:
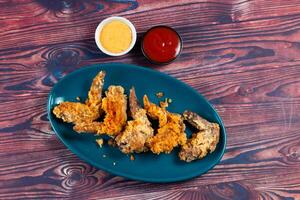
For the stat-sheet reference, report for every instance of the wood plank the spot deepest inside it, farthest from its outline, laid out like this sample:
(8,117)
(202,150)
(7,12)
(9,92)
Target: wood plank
(76,24)
(242,55)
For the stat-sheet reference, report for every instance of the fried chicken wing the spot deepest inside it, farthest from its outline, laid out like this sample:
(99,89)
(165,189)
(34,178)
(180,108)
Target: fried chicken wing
(169,135)
(114,105)
(201,143)
(171,128)
(75,112)
(137,131)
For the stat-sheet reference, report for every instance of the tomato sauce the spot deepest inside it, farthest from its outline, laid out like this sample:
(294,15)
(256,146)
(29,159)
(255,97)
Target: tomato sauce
(161,44)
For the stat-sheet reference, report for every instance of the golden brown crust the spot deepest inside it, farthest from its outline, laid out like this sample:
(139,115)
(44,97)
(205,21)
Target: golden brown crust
(114,105)
(87,127)
(171,129)
(75,112)
(169,136)
(137,131)
(95,93)
(155,112)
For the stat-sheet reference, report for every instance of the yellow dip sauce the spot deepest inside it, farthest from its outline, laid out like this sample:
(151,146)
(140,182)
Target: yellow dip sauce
(116,36)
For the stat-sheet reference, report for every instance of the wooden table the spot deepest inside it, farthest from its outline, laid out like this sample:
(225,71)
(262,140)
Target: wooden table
(244,56)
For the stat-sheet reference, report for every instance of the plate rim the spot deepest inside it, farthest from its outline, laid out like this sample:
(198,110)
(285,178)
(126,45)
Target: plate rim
(116,172)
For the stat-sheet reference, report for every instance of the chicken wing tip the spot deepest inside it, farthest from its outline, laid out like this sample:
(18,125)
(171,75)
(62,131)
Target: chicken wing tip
(133,102)
(102,72)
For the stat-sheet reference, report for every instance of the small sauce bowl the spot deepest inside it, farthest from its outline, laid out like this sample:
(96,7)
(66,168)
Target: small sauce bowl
(107,21)
(161,44)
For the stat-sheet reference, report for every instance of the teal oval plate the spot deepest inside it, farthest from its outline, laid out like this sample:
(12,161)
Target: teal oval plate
(146,166)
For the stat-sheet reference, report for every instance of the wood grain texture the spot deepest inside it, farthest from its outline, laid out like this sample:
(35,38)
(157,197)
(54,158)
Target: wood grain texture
(244,56)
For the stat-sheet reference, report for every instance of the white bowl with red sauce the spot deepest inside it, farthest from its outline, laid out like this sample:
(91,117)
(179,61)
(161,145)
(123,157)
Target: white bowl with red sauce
(161,44)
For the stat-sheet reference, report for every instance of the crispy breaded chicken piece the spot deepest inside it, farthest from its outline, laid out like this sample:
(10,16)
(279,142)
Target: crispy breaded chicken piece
(201,143)
(169,135)
(155,112)
(75,112)
(171,132)
(137,131)
(114,105)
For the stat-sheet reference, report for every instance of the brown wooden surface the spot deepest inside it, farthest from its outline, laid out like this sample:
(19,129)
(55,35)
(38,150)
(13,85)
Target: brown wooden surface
(244,56)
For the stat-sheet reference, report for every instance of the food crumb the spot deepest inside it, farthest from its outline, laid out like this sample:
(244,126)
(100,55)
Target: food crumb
(159,94)
(78,98)
(99,142)
(131,157)
(164,104)
(112,143)
(114,163)
(104,156)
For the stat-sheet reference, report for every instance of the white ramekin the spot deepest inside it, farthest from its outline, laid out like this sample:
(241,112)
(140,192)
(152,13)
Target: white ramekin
(99,29)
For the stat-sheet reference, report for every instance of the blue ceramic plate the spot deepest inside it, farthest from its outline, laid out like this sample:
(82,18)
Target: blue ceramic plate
(147,166)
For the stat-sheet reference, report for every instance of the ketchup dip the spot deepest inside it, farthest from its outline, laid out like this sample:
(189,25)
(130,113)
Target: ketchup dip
(161,44)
